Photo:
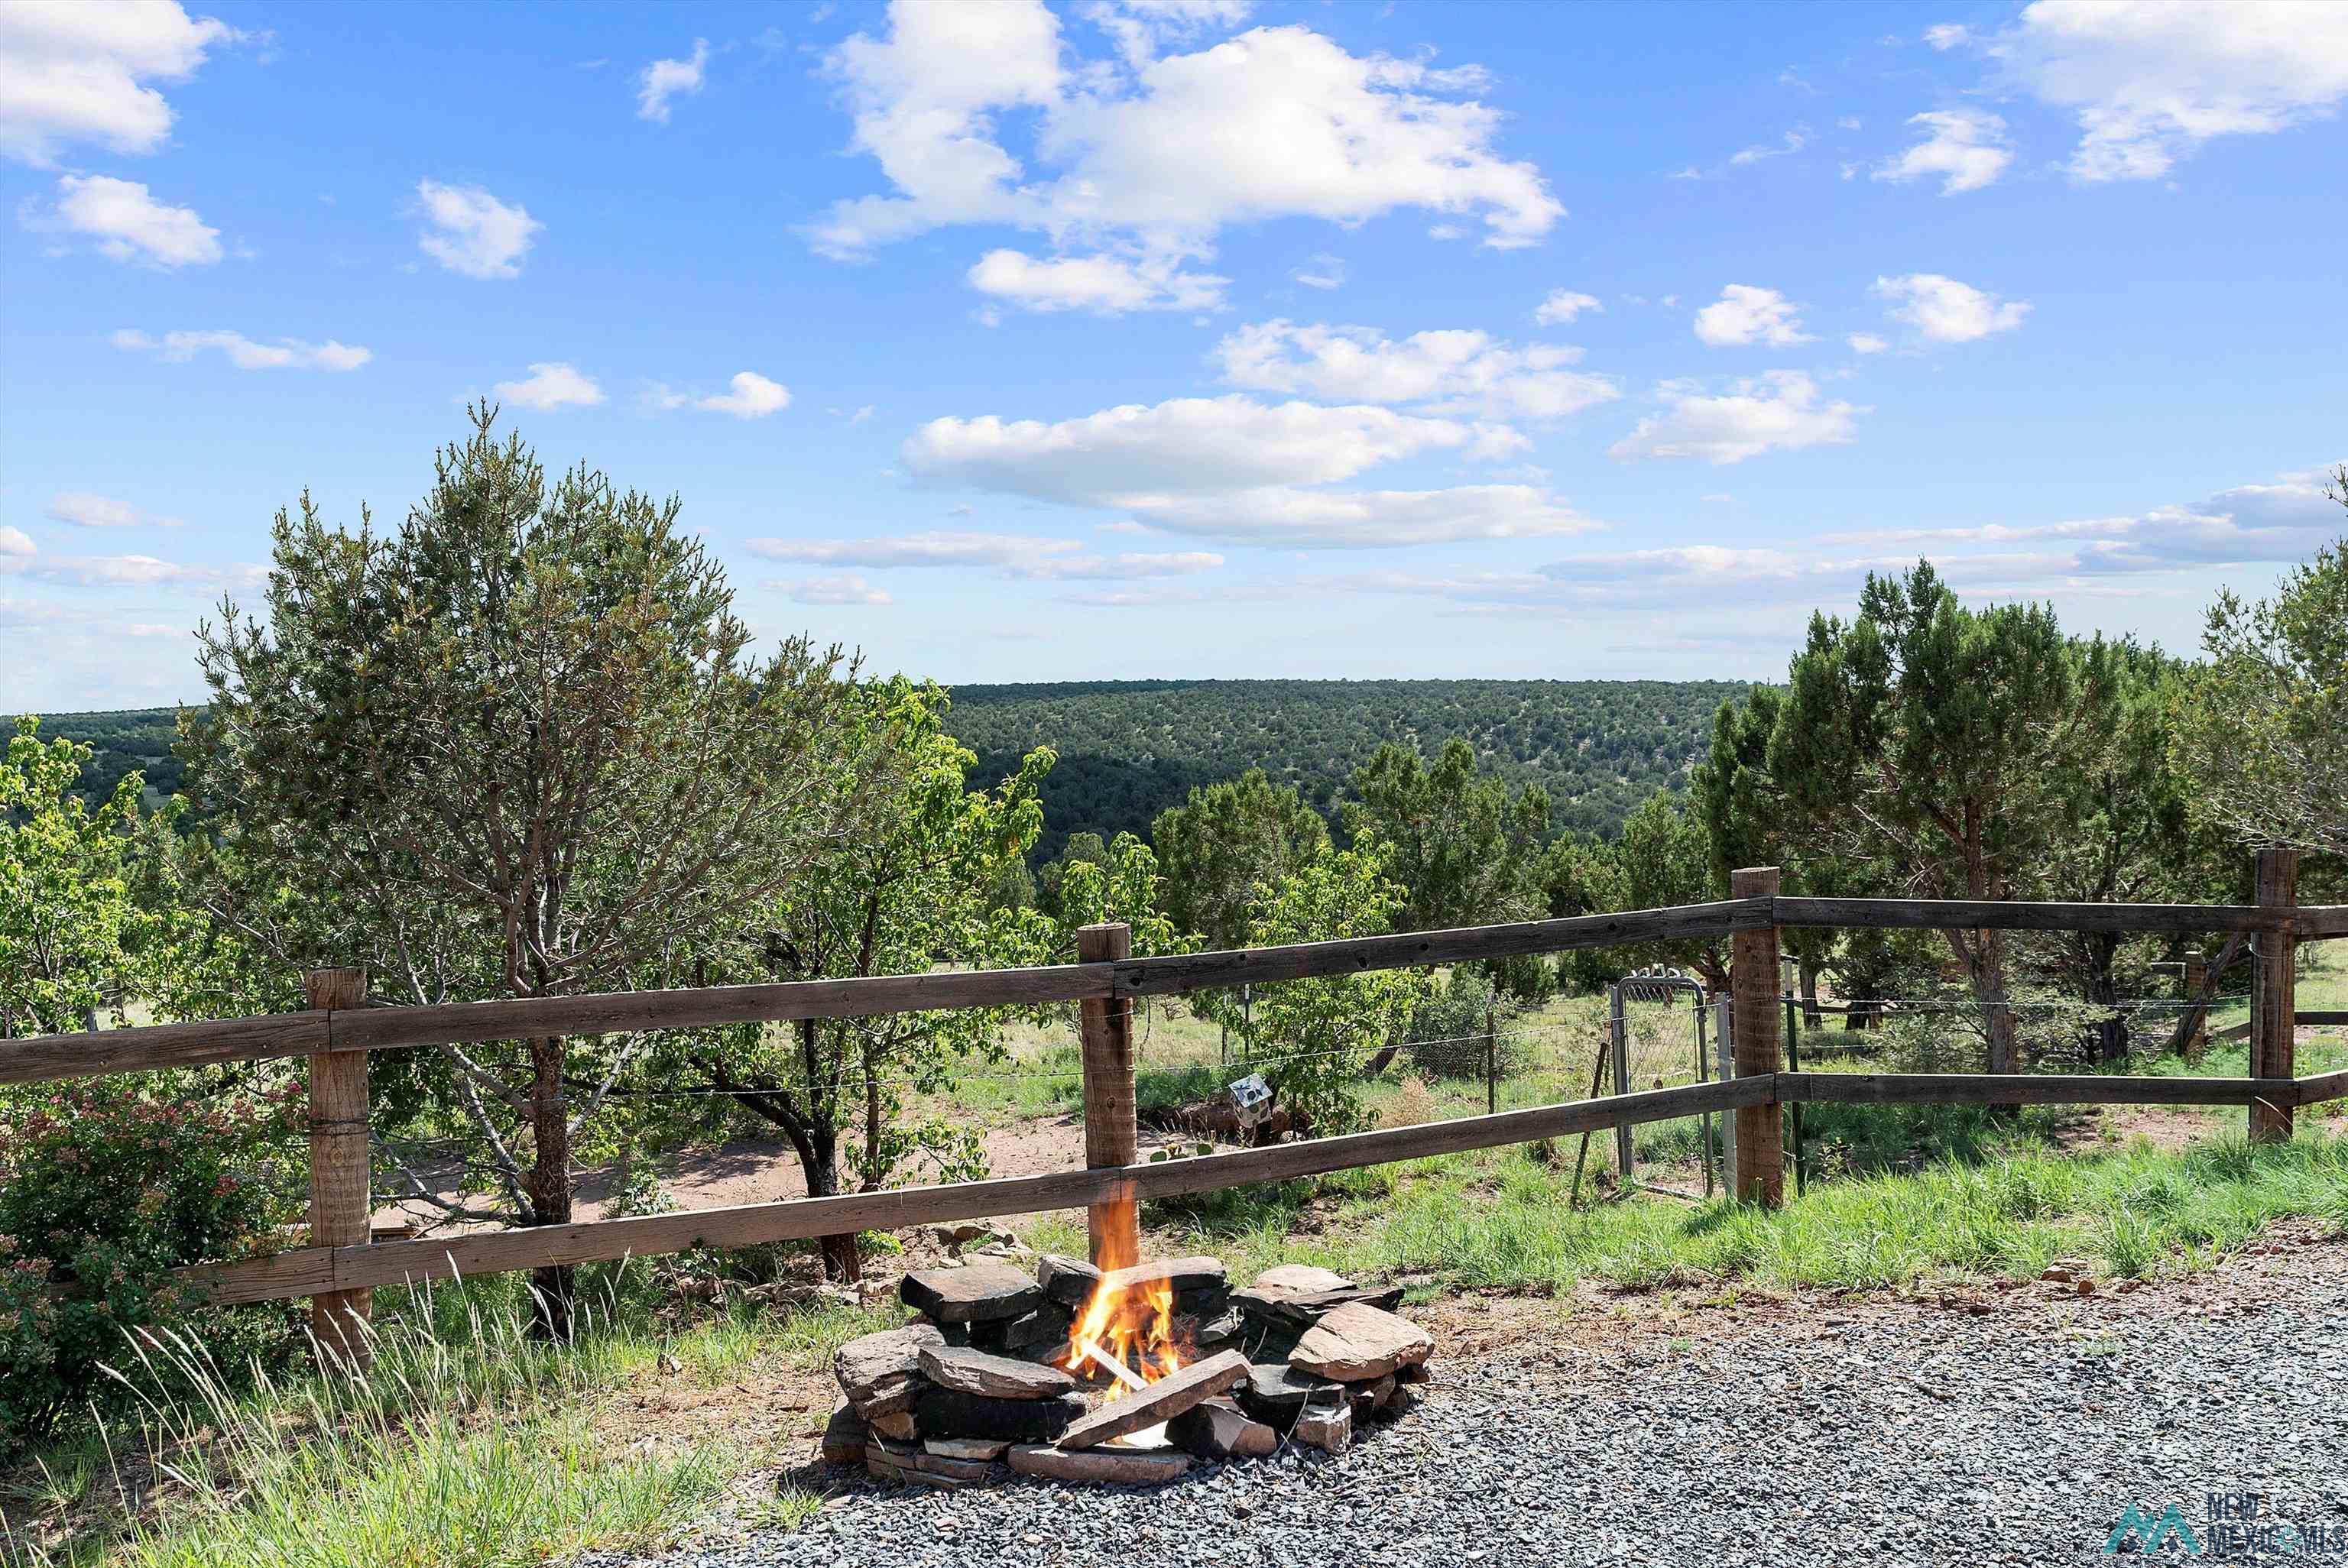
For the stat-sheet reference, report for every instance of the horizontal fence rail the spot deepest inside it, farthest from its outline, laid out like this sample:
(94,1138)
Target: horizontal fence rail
(310,1270)
(336,1037)
(44,1058)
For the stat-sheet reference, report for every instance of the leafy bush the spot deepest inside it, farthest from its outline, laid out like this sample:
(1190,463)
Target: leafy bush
(104,1189)
(1447,1028)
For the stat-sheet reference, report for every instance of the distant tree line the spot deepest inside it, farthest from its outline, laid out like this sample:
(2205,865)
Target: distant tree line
(1130,749)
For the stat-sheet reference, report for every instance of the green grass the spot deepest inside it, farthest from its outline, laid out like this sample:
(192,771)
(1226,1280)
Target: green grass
(1500,1219)
(467,1442)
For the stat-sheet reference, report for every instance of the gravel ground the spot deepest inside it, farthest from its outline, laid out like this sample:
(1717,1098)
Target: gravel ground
(1886,1434)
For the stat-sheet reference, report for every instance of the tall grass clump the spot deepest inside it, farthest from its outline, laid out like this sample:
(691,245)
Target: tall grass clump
(465,1440)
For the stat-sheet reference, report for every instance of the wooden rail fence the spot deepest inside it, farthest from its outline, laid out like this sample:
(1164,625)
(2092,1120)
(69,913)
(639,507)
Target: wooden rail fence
(341,1266)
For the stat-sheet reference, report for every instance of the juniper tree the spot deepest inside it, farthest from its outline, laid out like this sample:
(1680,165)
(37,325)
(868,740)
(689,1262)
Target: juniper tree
(1224,842)
(1939,746)
(2261,730)
(518,746)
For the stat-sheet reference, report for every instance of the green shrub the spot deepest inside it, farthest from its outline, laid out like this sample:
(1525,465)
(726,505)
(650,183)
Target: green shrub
(1447,1029)
(104,1189)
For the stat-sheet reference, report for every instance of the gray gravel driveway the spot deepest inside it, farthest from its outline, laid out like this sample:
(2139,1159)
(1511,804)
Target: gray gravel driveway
(1886,1434)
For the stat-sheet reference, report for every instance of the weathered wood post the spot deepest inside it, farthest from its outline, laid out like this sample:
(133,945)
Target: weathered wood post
(1491,1063)
(340,1205)
(2197,975)
(1111,1137)
(1760,1169)
(2273,994)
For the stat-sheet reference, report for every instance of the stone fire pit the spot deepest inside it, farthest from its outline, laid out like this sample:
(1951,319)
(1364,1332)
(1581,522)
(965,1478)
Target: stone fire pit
(987,1383)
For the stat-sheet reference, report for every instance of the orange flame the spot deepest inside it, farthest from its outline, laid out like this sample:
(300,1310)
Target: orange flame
(1124,1325)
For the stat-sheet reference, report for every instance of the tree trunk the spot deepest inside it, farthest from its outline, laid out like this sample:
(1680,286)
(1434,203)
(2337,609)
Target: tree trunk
(843,1260)
(2111,1033)
(1811,1017)
(549,1182)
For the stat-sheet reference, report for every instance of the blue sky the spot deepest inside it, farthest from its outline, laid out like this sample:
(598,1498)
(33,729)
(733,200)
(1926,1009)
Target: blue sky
(1188,337)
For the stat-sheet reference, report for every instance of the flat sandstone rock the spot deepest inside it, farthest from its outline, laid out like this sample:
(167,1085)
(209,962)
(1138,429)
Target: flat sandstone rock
(1217,1429)
(1180,1274)
(976,1293)
(844,1437)
(996,1377)
(1130,1466)
(1161,1401)
(1358,1343)
(1326,1427)
(1067,1280)
(880,1373)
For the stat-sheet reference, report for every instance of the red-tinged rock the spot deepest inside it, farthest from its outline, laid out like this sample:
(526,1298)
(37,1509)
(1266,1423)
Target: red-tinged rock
(1161,1401)
(1126,1466)
(1358,1343)
(880,1373)
(1217,1429)
(995,1376)
(976,1293)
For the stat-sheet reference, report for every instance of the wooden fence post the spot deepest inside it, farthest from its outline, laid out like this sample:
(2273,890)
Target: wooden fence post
(2274,998)
(2197,975)
(1111,1137)
(341,1207)
(1760,1172)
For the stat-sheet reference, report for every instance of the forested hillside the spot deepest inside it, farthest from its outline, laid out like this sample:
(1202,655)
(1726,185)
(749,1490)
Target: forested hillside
(125,740)
(1129,749)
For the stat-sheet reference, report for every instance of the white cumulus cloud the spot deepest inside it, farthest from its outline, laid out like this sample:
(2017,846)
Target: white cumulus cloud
(1562,306)
(1323,272)
(243,353)
(665,79)
(551,386)
(1447,372)
(1154,157)
(78,71)
(1780,412)
(2149,81)
(844,588)
(1104,284)
(752,397)
(1945,311)
(1233,469)
(128,224)
(1012,554)
(473,233)
(1745,314)
(1966,148)
(84,509)
(1867,342)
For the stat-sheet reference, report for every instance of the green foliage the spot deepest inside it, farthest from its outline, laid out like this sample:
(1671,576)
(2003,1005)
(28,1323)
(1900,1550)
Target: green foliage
(910,889)
(1465,851)
(105,1186)
(2261,728)
(1942,748)
(1131,749)
(1121,886)
(518,746)
(1447,1029)
(1224,842)
(85,920)
(1314,1036)
(121,742)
